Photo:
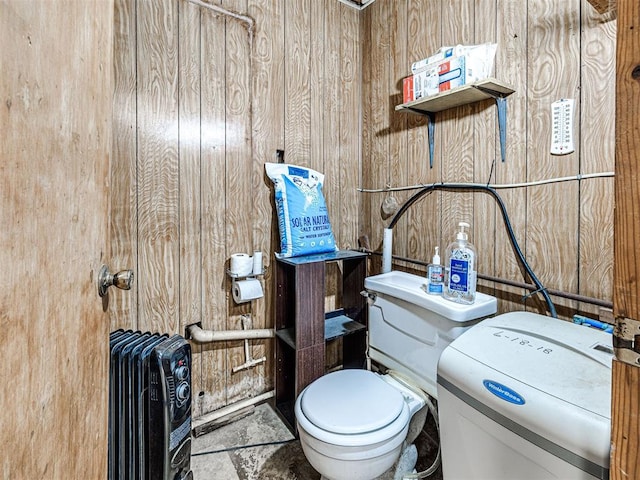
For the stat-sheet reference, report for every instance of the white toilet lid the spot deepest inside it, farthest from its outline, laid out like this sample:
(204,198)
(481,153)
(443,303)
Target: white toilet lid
(351,402)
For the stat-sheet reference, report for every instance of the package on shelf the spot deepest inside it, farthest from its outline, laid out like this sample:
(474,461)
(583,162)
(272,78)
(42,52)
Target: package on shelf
(448,68)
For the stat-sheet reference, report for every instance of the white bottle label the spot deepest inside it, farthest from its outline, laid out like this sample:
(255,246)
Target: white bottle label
(435,279)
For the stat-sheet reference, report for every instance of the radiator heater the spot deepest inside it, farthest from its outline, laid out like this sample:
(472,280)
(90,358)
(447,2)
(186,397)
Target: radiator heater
(149,407)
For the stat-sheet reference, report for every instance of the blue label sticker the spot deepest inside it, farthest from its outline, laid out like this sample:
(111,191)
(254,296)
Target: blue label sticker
(503,392)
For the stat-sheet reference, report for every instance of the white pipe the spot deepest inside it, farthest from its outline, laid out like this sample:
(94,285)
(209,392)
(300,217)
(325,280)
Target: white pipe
(218,9)
(496,186)
(387,243)
(229,409)
(199,335)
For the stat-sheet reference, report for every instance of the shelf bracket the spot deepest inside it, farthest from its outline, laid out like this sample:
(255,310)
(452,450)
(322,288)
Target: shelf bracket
(501,105)
(431,127)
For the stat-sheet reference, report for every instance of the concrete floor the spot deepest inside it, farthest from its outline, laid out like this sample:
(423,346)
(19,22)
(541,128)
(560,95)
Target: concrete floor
(259,446)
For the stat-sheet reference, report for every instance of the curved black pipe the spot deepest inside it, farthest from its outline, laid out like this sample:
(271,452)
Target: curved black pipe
(507,223)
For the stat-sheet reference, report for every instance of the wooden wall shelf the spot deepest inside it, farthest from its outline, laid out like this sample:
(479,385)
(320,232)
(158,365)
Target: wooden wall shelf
(489,88)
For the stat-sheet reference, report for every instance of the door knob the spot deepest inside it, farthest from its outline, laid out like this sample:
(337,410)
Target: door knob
(121,280)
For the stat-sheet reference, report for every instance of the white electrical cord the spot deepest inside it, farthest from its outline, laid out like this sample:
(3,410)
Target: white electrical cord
(436,463)
(495,186)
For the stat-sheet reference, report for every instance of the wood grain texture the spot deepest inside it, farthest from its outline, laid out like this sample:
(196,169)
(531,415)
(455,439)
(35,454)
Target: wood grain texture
(455,130)
(511,66)
(377,104)
(318,71)
(157,166)
(238,210)
(552,210)
(486,152)
(350,94)
(190,290)
(625,422)
(597,155)
(56,117)
(213,145)
(268,136)
(529,58)
(123,305)
(396,123)
(297,111)
(423,234)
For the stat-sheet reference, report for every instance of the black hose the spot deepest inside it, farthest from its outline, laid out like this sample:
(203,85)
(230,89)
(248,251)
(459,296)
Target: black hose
(507,223)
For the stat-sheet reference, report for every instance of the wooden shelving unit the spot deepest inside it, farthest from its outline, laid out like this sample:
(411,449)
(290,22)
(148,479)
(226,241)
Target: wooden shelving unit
(303,327)
(489,88)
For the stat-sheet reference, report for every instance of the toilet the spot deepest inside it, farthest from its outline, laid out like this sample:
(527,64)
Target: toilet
(353,424)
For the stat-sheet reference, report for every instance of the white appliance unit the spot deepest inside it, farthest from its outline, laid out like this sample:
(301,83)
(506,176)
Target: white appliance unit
(524,396)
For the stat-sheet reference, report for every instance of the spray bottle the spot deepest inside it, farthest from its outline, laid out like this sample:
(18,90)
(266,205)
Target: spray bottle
(435,275)
(460,284)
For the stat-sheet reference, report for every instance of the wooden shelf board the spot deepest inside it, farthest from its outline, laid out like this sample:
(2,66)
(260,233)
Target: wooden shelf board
(336,325)
(466,94)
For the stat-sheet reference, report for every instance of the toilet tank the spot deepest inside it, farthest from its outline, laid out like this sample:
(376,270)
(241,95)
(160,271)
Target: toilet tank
(409,329)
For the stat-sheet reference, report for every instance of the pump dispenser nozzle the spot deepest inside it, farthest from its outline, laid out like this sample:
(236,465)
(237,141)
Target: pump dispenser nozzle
(462,235)
(436,257)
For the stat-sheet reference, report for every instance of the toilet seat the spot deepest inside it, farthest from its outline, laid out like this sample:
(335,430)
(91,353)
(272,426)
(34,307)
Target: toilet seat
(352,408)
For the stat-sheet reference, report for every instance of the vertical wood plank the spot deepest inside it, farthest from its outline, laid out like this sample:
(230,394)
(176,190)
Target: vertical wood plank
(625,421)
(190,184)
(367,212)
(511,66)
(348,60)
(158,185)
(486,153)
(455,130)
(396,123)
(423,220)
(297,114)
(378,107)
(268,136)
(213,184)
(124,232)
(552,210)
(317,101)
(597,154)
(238,168)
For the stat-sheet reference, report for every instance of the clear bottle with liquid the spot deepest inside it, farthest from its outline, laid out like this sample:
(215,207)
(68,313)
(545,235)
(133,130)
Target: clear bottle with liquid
(460,264)
(435,275)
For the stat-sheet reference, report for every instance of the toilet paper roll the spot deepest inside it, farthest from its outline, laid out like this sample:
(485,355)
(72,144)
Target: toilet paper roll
(247,290)
(257,263)
(241,264)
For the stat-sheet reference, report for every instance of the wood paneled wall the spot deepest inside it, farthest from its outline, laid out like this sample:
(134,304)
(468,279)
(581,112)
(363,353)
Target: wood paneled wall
(202,100)
(547,50)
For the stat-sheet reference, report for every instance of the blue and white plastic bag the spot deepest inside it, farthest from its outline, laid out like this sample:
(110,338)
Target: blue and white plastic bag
(303,220)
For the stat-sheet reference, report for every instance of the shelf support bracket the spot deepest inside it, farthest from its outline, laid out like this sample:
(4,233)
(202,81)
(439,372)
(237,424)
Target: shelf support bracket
(431,127)
(501,105)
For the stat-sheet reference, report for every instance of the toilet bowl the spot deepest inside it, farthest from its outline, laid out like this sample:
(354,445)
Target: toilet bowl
(353,424)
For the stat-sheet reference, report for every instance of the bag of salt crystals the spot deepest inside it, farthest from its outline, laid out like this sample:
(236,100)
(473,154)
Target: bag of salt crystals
(303,220)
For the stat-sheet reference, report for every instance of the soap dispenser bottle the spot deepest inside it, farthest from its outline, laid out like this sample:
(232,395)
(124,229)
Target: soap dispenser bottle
(460,263)
(435,275)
